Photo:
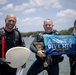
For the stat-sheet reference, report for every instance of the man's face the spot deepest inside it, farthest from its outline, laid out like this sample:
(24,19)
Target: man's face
(48,26)
(10,22)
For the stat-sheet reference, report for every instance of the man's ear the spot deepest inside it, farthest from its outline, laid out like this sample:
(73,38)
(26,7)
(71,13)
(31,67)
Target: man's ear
(43,25)
(5,20)
(52,25)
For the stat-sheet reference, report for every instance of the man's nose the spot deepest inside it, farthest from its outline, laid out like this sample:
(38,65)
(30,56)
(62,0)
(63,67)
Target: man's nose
(48,25)
(11,22)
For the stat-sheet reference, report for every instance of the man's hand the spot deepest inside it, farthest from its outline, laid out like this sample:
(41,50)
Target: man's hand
(41,53)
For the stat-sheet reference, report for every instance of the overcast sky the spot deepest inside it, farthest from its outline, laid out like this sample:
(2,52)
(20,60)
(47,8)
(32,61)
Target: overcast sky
(31,13)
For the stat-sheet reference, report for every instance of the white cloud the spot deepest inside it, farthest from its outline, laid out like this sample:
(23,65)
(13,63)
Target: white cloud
(56,5)
(65,15)
(7,7)
(30,24)
(61,20)
(30,21)
(46,3)
(32,10)
(38,3)
(21,7)
(3,1)
(67,12)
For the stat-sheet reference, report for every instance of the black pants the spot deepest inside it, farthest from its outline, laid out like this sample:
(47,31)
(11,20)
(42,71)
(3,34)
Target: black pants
(6,70)
(72,67)
(38,67)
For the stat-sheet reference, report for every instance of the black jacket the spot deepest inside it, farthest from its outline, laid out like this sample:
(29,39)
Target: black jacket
(12,39)
(39,38)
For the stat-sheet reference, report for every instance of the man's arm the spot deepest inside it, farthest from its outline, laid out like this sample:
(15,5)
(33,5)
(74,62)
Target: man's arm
(32,46)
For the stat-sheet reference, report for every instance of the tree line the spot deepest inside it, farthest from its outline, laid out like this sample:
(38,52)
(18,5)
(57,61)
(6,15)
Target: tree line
(32,34)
